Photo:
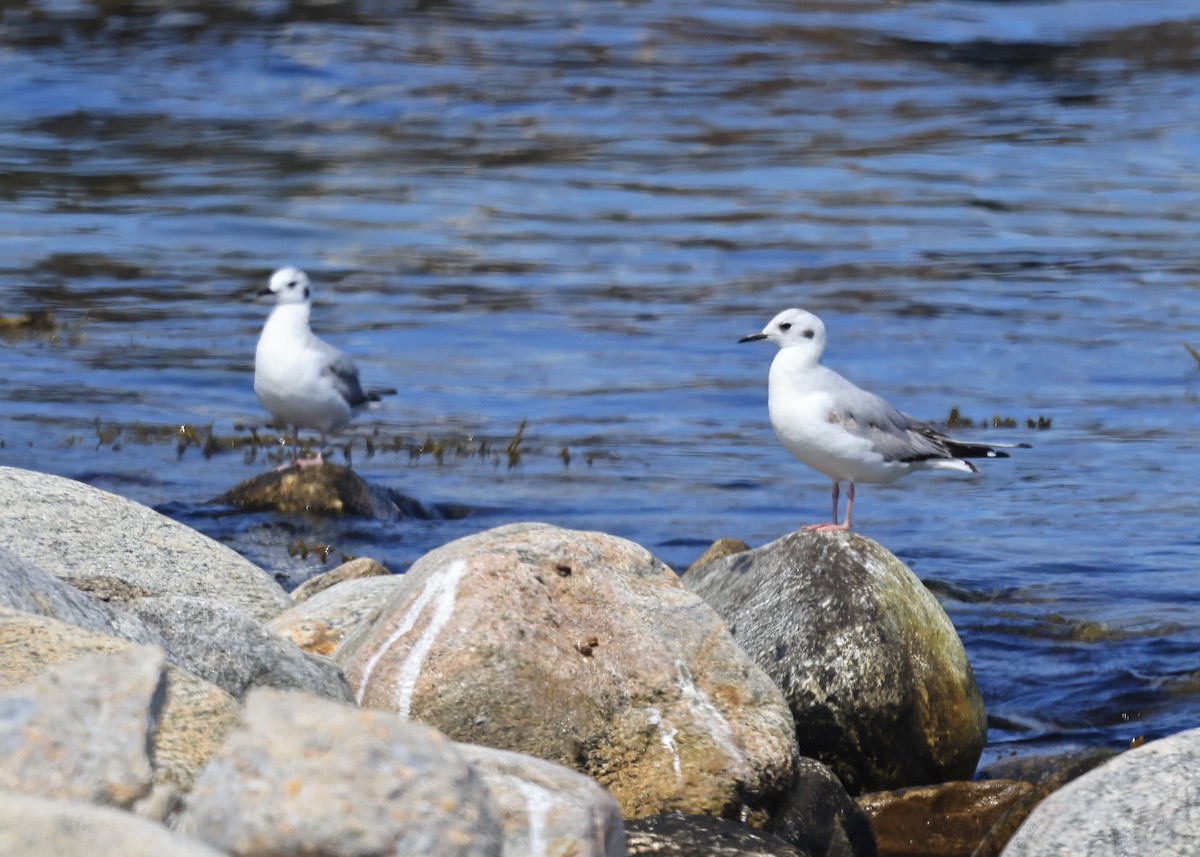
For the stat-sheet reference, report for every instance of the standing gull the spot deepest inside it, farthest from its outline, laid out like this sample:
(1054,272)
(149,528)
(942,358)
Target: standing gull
(843,431)
(302,381)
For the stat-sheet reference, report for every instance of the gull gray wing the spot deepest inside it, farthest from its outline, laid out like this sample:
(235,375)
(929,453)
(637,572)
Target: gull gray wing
(893,434)
(344,374)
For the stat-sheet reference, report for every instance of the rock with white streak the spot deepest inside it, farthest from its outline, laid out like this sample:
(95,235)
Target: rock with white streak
(37,827)
(97,539)
(1143,802)
(547,809)
(585,650)
(319,624)
(872,667)
(304,775)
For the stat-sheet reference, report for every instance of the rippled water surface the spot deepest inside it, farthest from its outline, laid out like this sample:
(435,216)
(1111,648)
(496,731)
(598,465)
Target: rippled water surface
(568,213)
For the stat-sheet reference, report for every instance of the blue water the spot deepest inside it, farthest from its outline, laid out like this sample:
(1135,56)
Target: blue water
(567,214)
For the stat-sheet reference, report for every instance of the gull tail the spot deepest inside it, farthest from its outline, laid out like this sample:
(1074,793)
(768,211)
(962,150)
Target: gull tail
(964,449)
(376,395)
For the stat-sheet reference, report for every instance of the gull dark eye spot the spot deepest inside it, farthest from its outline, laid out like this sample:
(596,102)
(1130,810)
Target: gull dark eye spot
(787,325)
(293,283)
(808,334)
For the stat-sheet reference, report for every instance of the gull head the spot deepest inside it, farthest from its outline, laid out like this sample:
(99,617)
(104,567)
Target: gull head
(793,328)
(289,286)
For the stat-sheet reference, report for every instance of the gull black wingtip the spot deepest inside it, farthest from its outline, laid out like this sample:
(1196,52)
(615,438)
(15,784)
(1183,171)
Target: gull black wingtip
(754,337)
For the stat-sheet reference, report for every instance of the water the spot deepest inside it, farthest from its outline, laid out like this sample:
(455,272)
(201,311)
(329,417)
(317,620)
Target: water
(569,213)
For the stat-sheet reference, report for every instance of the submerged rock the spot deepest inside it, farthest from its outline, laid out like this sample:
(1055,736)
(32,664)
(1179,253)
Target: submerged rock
(82,534)
(326,489)
(582,649)
(874,673)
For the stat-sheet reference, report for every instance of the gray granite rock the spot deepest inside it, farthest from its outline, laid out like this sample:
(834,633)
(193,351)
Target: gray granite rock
(80,533)
(355,569)
(304,775)
(37,827)
(872,667)
(548,809)
(225,646)
(320,623)
(1143,802)
(81,731)
(26,586)
(195,715)
(582,649)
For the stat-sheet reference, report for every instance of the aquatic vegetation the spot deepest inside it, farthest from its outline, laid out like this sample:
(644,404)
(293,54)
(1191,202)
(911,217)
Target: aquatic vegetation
(1193,352)
(957,420)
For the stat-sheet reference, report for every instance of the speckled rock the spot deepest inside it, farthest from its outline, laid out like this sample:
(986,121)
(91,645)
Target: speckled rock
(871,666)
(719,549)
(944,820)
(582,649)
(225,646)
(547,809)
(78,532)
(1142,802)
(303,775)
(37,827)
(320,623)
(195,715)
(676,835)
(355,569)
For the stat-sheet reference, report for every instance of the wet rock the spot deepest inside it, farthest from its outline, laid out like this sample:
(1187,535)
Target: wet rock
(327,489)
(871,666)
(26,586)
(946,820)
(582,649)
(302,775)
(1143,801)
(194,717)
(355,569)
(546,808)
(319,624)
(37,827)
(81,533)
(81,731)
(719,549)
(677,835)
(223,645)
(819,817)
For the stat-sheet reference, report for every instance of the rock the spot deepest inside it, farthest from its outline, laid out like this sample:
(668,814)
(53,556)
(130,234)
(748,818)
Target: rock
(319,624)
(820,818)
(546,808)
(303,775)
(81,731)
(1143,801)
(719,549)
(194,716)
(79,532)
(27,587)
(582,649)
(946,820)
(871,666)
(675,835)
(36,827)
(328,489)
(223,645)
(355,569)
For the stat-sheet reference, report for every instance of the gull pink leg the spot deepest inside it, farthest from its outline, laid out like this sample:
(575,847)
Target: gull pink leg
(834,525)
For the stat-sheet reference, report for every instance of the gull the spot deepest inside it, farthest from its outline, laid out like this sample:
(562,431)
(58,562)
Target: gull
(843,431)
(303,381)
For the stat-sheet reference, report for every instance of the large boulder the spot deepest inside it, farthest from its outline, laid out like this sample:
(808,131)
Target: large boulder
(582,649)
(303,775)
(92,538)
(234,651)
(874,673)
(1144,801)
(194,715)
(38,827)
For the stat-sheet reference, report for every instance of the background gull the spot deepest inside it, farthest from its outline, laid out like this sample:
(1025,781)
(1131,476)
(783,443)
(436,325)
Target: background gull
(303,381)
(841,430)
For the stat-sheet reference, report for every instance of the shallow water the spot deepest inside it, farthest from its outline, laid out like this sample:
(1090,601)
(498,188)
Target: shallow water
(569,213)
